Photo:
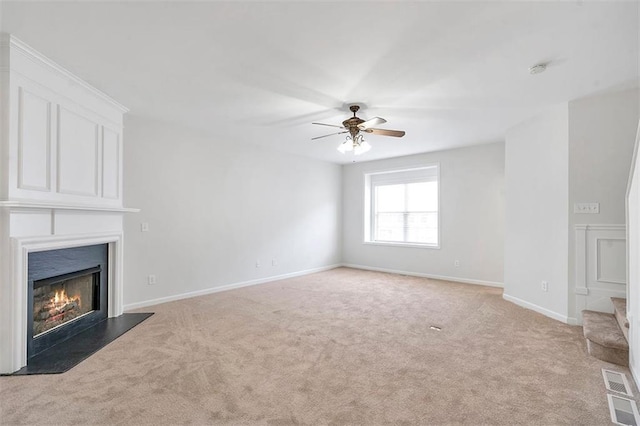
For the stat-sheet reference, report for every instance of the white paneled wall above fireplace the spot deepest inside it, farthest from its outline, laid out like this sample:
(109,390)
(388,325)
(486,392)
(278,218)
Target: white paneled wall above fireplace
(63,145)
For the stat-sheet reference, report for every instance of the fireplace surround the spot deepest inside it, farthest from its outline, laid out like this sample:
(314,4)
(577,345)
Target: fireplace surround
(15,337)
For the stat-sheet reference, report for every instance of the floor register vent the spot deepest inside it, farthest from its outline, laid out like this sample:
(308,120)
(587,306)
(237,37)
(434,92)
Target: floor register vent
(623,411)
(616,382)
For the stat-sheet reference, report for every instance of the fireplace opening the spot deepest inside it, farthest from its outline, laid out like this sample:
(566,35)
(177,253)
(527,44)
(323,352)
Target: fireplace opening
(59,300)
(67,294)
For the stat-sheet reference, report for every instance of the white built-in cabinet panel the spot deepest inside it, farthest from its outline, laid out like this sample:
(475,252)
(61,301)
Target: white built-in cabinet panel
(78,149)
(34,142)
(111,164)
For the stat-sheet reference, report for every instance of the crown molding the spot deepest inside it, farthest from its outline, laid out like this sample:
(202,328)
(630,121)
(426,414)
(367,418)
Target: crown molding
(26,50)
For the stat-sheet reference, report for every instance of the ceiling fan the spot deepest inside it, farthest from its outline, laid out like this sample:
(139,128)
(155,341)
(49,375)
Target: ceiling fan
(354,126)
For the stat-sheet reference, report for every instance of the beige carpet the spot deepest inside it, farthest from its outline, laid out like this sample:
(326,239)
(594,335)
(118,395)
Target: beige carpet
(337,347)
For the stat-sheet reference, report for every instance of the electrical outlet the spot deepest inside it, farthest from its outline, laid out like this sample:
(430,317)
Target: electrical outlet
(274,262)
(544,286)
(151,280)
(456,263)
(257,263)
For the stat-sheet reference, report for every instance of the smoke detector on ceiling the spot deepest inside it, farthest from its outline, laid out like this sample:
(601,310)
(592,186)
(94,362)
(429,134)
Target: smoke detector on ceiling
(537,69)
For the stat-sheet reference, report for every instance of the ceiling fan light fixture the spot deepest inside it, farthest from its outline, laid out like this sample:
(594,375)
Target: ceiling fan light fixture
(346,146)
(360,146)
(354,125)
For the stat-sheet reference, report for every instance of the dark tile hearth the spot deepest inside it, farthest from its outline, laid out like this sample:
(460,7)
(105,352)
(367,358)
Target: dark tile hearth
(64,356)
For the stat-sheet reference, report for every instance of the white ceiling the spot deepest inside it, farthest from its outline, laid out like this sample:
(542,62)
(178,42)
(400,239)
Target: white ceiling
(449,73)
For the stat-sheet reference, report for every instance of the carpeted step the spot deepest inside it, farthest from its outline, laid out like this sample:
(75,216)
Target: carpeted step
(620,306)
(605,339)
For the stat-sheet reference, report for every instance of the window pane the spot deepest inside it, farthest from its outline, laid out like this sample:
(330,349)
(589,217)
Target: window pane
(422,228)
(405,212)
(390,198)
(390,227)
(422,197)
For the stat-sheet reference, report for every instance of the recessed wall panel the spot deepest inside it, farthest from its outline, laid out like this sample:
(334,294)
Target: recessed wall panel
(600,266)
(77,154)
(110,164)
(34,142)
(611,260)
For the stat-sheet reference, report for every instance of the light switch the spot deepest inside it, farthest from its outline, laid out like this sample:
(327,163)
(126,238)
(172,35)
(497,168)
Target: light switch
(586,208)
(144,227)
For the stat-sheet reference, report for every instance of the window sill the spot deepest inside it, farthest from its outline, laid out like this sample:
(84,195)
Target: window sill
(399,244)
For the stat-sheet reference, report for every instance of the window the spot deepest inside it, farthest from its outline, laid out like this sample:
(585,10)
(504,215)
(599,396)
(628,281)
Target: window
(402,207)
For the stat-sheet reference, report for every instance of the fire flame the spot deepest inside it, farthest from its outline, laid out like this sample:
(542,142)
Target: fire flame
(61,298)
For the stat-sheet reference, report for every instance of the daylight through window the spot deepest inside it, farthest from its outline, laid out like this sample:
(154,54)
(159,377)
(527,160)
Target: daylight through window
(403,207)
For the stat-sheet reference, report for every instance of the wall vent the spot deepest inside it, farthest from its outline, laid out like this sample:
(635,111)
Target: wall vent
(616,382)
(623,411)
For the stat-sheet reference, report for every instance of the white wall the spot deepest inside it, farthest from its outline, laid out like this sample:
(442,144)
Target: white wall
(471,214)
(602,131)
(536,175)
(633,234)
(214,208)
(574,153)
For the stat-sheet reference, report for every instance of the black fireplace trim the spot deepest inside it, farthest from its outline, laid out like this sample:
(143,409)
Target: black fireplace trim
(65,277)
(52,266)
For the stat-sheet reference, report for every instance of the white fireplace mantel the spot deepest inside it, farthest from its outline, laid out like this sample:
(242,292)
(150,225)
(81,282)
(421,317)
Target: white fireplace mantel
(27,205)
(61,180)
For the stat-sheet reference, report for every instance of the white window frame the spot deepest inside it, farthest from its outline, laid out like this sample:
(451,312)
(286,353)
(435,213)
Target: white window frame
(369,205)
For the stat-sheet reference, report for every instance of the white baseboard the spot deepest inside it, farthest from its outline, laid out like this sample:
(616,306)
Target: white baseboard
(539,309)
(227,287)
(634,376)
(422,275)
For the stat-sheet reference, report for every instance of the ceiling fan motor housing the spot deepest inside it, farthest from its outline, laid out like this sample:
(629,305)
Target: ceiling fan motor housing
(352,123)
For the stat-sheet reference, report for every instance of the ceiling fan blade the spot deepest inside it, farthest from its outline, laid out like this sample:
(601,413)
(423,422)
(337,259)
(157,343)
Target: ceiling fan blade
(330,125)
(372,122)
(320,137)
(385,132)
